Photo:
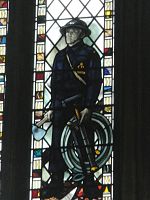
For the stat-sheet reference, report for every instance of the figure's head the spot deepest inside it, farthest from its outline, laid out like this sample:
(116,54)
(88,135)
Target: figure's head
(74,31)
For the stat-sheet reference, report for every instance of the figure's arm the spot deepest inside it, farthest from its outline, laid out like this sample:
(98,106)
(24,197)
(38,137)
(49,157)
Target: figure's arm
(93,80)
(56,84)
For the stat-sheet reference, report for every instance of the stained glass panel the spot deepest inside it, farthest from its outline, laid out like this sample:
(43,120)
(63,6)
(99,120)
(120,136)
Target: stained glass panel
(50,16)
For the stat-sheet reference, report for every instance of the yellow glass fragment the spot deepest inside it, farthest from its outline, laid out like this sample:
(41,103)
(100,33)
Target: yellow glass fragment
(108,13)
(106,190)
(97,152)
(107,109)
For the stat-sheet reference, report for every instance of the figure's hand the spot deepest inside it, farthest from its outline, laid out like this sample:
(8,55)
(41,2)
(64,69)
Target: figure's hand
(85,115)
(49,115)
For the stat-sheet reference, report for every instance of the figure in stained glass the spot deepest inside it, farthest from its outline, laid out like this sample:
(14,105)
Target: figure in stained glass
(75,86)
(50,45)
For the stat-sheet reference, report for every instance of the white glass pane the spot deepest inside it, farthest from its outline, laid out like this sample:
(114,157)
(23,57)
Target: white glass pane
(55,9)
(49,46)
(63,22)
(65,2)
(108,24)
(108,43)
(45,175)
(48,136)
(41,29)
(64,15)
(50,57)
(40,66)
(54,33)
(47,96)
(45,145)
(88,41)
(75,7)
(40,48)
(47,67)
(108,6)
(0,146)
(2,68)
(85,2)
(95,7)
(48,2)
(49,24)
(36,184)
(96,30)
(100,43)
(41,11)
(61,44)
(48,16)
(85,13)
(101,13)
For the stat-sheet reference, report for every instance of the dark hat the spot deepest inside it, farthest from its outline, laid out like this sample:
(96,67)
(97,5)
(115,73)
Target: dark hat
(76,23)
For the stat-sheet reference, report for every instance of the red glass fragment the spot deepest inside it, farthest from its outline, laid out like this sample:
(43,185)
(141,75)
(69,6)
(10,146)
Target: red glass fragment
(80,193)
(35,193)
(3,4)
(39,76)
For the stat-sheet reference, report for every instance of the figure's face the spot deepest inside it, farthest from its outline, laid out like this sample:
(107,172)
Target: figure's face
(73,35)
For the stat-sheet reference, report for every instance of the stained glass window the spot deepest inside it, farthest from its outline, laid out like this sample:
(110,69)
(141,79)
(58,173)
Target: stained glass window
(3,32)
(51,15)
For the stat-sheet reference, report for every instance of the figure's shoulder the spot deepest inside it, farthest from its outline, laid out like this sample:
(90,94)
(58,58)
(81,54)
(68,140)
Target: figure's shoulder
(89,49)
(61,52)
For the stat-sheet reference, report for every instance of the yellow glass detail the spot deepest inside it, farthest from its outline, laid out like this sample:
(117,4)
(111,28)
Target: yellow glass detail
(107,109)
(97,152)
(106,190)
(93,169)
(40,56)
(108,13)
